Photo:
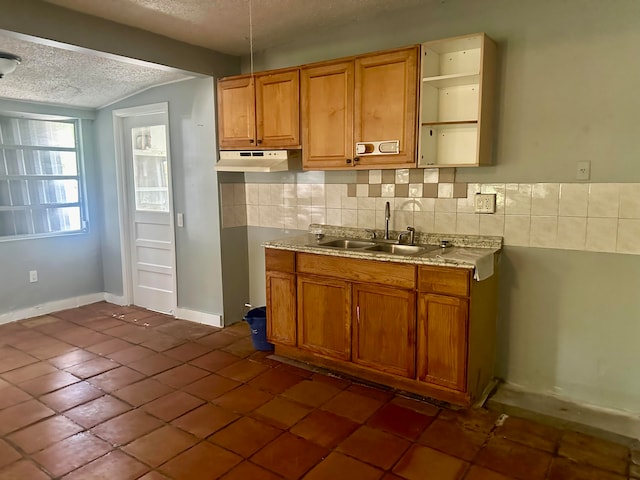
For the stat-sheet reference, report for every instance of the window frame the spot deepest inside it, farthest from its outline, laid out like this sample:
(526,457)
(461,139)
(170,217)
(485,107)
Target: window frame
(82,202)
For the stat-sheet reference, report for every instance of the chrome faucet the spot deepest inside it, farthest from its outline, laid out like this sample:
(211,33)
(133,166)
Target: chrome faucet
(387,217)
(410,232)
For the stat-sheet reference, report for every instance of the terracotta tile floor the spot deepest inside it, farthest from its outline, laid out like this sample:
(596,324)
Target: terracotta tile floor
(122,393)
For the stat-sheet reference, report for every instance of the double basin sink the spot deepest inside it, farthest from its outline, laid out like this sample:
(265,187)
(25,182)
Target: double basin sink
(375,246)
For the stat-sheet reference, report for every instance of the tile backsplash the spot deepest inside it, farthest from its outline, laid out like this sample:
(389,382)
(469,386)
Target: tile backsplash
(599,217)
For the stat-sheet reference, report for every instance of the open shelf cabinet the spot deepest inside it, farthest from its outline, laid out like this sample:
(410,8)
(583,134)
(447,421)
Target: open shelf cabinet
(457,102)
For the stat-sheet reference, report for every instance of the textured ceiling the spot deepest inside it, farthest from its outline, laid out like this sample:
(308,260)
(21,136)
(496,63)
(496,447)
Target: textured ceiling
(53,73)
(74,78)
(223,25)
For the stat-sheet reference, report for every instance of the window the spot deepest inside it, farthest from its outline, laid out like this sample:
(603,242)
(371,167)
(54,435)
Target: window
(41,190)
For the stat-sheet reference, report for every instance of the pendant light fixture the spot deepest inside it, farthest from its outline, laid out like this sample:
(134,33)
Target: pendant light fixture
(8,63)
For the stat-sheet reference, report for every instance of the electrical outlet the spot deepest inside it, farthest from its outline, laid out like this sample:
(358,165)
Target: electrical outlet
(583,170)
(33,276)
(485,202)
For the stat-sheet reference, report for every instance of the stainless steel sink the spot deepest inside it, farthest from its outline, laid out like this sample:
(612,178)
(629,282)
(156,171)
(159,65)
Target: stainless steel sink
(397,249)
(346,243)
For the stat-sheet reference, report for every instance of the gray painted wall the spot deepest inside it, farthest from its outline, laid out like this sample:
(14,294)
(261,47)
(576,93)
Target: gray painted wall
(195,192)
(568,319)
(68,266)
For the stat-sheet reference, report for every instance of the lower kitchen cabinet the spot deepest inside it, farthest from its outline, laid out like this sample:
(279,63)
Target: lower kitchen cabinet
(424,329)
(384,329)
(442,340)
(324,311)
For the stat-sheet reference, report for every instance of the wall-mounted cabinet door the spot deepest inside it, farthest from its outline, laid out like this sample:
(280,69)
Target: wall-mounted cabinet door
(327,115)
(236,113)
(324,310)
(386,90)
(278,109)
(384,329)
(443,340)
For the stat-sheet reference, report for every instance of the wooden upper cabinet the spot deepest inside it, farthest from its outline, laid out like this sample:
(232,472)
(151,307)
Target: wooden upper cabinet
(326,98)
(278,109)
(386,92)
(259,112)
(364,99)
(236,113)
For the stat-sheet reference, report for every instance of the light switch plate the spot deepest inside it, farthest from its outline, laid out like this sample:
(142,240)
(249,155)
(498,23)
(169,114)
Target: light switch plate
(485,203)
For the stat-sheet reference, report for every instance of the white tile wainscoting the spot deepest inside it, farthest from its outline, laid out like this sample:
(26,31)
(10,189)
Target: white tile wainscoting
(599,217)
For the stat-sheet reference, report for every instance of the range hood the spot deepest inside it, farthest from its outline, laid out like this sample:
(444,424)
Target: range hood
(259,160)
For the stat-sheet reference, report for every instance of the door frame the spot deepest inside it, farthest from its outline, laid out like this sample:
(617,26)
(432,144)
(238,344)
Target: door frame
(124,218)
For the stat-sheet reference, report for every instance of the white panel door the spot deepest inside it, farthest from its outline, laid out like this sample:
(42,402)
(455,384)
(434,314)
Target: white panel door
(152,250)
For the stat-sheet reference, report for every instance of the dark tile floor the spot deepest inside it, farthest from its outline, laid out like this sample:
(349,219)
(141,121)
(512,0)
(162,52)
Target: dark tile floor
(108,392)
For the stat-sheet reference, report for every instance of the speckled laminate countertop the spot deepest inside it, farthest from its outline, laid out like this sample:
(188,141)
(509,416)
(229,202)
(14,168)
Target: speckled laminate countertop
(467,251)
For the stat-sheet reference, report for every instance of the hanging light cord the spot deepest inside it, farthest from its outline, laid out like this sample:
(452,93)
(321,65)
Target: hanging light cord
(251,37)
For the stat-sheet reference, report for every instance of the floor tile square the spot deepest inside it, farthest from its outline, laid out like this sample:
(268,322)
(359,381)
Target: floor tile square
(116,379)
(154,475)
(157,447)
(480,473)
(22,414)
(563,469)
(154,364)
(374,446)
(275,380)
(400,421)
(142,392)
(211,387)
(127,427)
(131,354)
(247,470)
(28,372)
(299,453)
(281,412)
(71,358)
(8,454)
(243,399)
(42,434)
(205,420)
(172,405)
(311,392)
(214,361)
(594,451)
(423,463)
(245,436)
(513,459)
(243,371)
(187,351)
(181,375)
(115,465)
(97,411)
(241,348)
(204,457)
(10,395)
(217,340)
(71,453)
(71,396)
(324,428)
(530,433)
(160,342)
(23,469)
(92,368)
(478,419)
(449,437)
(48,383)
(340,467)
(109,346)
(353,406)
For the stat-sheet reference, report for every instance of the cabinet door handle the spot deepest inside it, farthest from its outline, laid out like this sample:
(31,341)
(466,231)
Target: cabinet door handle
(251,141)
(356,159)
(348,160)
(259,142)
(358,313)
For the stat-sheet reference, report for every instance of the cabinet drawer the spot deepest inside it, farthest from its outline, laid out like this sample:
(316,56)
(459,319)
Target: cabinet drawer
(279,260)
(369,271)
(445,280)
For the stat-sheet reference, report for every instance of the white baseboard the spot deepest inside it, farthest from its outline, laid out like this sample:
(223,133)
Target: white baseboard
(50,307)
(73,302)
(199,317)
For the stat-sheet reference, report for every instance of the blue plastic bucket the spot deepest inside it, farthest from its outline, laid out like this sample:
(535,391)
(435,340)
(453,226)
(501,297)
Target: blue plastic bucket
(257,320)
